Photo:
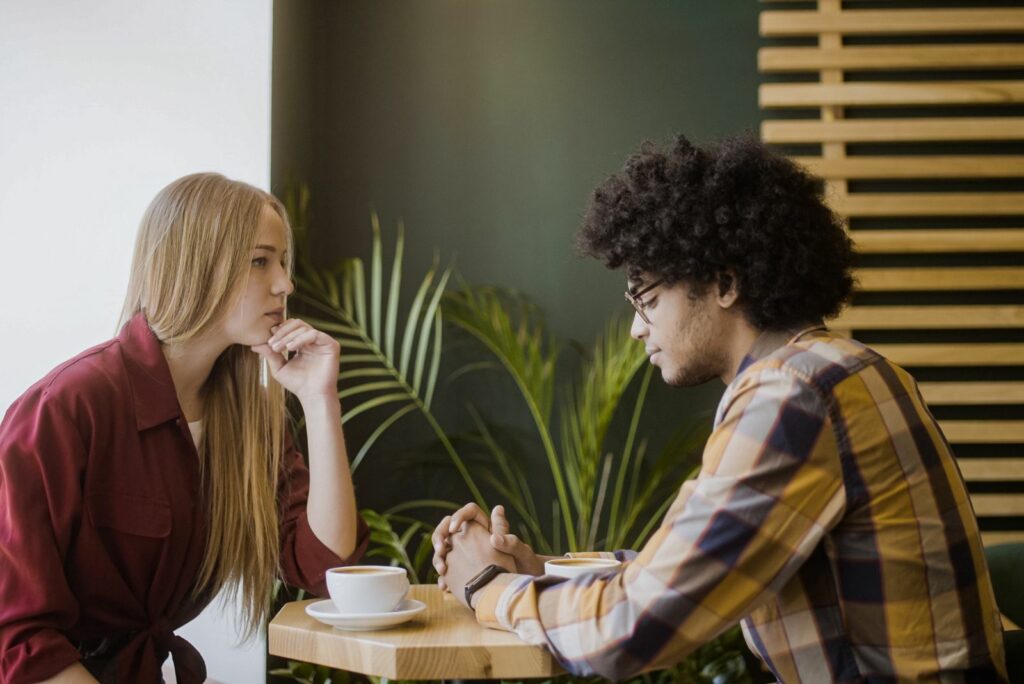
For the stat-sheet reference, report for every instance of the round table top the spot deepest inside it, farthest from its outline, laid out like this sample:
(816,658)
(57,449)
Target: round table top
(443,642)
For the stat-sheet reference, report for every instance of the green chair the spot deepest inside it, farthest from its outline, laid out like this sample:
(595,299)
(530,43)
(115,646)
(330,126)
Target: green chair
(1006,567)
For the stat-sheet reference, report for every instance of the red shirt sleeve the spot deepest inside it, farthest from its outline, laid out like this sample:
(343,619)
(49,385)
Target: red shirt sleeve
(304,558)
(42,458)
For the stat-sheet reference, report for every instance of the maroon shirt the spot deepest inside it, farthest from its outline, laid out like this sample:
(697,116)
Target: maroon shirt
(102,522)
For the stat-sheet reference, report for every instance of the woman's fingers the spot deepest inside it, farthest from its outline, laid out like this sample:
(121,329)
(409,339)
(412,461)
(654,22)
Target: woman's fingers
(274,359)
(286,328)
(287,338)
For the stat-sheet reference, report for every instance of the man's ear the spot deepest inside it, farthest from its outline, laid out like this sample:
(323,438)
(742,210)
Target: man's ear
(728,289)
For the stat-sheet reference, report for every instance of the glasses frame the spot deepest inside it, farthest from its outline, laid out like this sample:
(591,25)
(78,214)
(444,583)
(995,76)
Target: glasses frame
(639,304)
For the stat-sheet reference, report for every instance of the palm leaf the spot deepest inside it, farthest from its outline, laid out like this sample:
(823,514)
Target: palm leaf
(370,376)
(518,343)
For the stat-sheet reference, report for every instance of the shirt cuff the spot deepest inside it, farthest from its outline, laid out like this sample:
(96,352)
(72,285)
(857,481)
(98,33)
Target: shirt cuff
(492,604)
(41,656)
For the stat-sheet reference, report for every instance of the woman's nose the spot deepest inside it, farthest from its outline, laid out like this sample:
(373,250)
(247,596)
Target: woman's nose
(284,286)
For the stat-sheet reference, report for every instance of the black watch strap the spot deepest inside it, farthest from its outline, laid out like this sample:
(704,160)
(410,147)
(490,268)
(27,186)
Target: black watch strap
(481,580)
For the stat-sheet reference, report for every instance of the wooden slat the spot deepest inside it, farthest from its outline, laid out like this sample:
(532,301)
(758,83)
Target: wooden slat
(1002,537)
(934,241)
(971,355)
(930,204)
(945,279)
(930,317)
(968,393)
(986,505)
(992,469)
(930,166)
(876,22)
(983,431)
(892,130)
(887,57)
(890,93)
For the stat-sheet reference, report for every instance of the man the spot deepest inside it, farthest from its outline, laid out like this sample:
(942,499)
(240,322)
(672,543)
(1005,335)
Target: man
(829,515)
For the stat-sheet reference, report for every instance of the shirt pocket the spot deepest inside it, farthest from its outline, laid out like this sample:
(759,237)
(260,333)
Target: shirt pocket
(130,514)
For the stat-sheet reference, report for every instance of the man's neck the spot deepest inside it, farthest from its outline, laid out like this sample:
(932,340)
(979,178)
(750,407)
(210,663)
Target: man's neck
(751,344)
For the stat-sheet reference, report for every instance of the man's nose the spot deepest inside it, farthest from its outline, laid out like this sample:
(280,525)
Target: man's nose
(638,330)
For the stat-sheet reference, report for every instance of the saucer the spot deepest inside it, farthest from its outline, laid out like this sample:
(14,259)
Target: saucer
(326,612)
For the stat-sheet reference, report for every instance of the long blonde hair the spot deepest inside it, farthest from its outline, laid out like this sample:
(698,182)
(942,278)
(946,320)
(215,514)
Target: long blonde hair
(192,257)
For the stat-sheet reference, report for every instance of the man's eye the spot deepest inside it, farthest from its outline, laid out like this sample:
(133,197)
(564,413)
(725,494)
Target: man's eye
(259,262)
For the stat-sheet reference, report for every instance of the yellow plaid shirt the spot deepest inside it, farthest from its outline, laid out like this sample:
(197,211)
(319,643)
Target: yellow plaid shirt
(829,516)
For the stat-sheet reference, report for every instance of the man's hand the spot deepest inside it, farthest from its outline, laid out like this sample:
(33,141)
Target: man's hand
(526,561)
(471,552)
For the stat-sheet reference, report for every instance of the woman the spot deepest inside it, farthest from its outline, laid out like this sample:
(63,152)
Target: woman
(147,474)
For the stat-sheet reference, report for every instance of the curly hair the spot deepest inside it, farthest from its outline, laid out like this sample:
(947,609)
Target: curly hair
(690,213)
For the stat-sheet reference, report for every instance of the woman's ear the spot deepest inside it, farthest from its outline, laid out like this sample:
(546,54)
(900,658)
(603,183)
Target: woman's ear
(728,289)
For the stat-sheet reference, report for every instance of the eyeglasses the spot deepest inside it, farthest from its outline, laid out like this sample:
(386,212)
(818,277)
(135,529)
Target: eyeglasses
(639,304)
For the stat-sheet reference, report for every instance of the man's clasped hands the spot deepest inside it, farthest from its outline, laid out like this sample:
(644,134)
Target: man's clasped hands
(468,541)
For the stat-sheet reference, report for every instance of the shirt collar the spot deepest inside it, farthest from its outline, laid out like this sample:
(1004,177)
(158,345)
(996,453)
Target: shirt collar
(153,391)
(763,346)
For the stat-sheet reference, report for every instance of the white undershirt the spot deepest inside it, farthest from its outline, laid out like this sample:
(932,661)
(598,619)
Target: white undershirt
(196,428)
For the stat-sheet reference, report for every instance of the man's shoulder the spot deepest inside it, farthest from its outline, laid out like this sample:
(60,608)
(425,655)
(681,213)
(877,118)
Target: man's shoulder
(823,359)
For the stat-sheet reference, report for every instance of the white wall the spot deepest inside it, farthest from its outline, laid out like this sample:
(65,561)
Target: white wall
(102,103)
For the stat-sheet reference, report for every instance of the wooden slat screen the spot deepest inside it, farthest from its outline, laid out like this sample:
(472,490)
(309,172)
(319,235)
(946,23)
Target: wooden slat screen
(913,116)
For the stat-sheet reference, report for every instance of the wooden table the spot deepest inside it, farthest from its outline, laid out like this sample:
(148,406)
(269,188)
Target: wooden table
(443,642)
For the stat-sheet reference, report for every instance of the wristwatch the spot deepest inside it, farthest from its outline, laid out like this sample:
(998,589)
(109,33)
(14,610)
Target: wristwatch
(481,580)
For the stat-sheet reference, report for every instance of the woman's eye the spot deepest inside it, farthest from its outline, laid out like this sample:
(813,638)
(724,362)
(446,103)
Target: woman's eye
(259,262)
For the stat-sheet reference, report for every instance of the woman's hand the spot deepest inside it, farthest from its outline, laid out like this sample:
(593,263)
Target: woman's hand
(312,371)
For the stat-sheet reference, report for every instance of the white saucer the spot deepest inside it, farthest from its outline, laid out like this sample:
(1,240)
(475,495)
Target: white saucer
(326,612)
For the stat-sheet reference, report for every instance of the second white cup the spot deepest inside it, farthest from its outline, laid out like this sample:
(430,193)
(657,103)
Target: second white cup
(574,567)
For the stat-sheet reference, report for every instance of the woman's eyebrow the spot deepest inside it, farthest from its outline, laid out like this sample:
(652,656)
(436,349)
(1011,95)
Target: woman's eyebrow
(269,248)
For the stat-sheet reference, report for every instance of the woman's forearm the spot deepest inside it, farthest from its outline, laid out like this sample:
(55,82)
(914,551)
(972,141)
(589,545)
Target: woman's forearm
(331,507)
(75,674)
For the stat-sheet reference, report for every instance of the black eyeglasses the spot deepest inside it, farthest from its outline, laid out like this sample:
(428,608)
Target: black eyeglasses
(639,304)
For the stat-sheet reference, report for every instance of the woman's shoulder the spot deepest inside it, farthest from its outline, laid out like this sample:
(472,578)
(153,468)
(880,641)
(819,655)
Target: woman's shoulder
(92,378)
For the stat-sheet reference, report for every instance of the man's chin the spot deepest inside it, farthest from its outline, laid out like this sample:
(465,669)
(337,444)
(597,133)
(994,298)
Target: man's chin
(685,377)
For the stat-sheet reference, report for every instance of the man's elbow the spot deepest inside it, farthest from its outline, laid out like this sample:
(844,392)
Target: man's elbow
(614,663)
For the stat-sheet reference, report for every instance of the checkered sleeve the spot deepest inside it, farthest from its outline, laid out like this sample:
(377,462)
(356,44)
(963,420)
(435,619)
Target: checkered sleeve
(769,488)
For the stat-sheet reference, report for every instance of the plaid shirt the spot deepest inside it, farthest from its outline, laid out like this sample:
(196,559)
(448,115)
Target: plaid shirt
(829,515)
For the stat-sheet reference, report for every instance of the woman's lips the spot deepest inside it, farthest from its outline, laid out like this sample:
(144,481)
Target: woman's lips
(276,315)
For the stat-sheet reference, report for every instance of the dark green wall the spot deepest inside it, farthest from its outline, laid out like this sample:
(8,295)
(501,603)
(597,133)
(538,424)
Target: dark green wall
(485,125)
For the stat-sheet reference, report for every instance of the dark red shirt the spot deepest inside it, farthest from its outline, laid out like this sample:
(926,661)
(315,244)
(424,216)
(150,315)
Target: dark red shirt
(102,521)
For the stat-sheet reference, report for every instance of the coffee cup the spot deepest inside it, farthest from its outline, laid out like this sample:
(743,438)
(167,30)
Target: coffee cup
(574,567)
(365,589)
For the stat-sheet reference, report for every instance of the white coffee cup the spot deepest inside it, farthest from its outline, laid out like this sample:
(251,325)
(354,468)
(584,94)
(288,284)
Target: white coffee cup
(574,567)
(367,589)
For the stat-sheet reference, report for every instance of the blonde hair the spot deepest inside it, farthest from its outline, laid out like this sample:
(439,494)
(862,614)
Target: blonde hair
(192,257)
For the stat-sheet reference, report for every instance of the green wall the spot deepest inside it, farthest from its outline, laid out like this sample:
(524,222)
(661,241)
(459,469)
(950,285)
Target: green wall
(484,126)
